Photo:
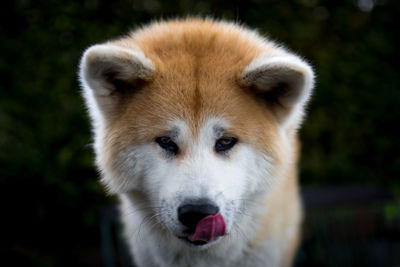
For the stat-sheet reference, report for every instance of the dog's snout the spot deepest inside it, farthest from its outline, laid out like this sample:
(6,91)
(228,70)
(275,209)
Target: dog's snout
(191,212)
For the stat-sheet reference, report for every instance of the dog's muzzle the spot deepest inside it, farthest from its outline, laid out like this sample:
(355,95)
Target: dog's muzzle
(203,221)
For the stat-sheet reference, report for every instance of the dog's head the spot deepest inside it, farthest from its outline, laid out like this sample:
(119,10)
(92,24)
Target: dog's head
(194,118)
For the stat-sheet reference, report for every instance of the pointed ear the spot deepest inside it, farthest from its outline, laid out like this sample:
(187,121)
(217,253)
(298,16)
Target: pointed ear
(284,82)
(108,72)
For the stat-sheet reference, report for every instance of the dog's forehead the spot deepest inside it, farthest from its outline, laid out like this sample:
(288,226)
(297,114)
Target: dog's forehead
(213,128)
(188,103)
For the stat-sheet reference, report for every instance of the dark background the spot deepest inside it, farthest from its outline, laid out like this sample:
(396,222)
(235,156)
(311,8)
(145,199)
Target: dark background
(51,201)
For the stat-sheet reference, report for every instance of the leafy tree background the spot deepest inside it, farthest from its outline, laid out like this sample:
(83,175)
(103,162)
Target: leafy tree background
(50,196)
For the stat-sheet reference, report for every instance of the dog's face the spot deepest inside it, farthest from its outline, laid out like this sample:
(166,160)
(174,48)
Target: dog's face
(196,135)
(212,171)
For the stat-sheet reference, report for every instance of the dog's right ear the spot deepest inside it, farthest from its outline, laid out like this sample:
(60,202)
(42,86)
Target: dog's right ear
(108,72)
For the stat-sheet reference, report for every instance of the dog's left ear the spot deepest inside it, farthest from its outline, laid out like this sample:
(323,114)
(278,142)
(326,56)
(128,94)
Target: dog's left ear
(284,82)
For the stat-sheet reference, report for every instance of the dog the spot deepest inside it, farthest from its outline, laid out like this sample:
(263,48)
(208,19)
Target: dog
(195,129)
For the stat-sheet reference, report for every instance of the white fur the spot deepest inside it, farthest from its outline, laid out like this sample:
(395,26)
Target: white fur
(233,182)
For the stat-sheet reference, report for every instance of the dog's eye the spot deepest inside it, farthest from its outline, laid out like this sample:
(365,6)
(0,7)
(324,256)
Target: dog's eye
(167,144)
(225,143)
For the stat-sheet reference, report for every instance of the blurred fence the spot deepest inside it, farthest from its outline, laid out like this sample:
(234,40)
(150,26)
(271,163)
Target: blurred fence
(350,226)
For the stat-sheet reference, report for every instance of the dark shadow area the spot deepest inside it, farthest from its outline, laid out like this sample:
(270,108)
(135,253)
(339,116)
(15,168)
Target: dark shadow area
(350,226)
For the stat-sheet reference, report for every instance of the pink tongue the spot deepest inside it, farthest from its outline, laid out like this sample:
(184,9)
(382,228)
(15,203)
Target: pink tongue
(209,228)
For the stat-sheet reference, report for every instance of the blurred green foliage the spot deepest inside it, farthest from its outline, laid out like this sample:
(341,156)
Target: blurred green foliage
(49,186)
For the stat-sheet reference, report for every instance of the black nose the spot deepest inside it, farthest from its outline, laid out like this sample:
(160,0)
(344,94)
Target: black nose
(191,212)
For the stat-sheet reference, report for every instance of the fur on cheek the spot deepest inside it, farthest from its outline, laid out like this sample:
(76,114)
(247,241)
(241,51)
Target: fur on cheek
(126,170)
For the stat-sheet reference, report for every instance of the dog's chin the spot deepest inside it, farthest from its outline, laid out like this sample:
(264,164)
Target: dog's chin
(199,244)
